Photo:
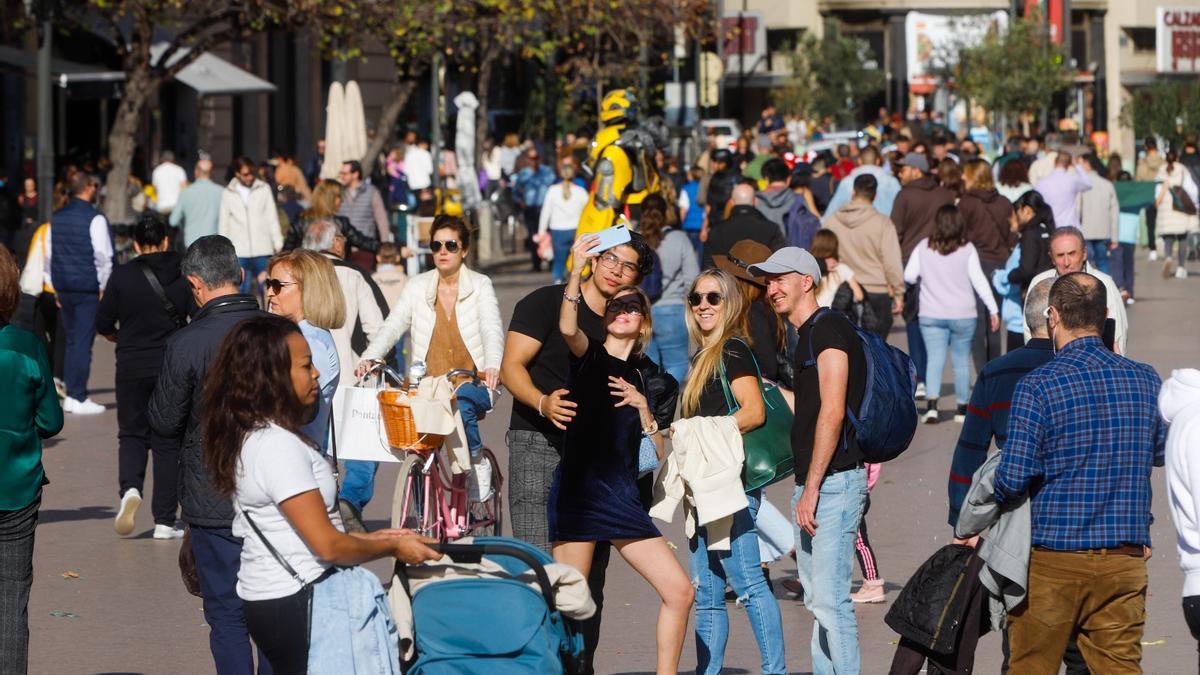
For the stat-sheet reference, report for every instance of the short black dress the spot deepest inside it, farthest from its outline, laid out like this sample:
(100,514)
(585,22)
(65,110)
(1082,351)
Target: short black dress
(595,493)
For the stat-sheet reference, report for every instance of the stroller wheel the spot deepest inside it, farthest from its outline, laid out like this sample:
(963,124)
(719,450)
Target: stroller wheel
(487,515)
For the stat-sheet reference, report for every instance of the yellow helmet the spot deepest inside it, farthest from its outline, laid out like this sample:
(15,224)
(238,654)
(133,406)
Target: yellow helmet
(618,104)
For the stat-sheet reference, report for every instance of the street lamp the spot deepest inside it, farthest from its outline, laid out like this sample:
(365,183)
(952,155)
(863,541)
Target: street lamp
(45,111)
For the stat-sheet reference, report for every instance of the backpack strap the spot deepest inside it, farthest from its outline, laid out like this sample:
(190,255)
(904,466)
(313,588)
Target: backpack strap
(811,362)
(168,306)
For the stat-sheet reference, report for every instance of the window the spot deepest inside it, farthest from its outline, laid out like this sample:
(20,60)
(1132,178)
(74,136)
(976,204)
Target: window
(780,43)
(1143,39)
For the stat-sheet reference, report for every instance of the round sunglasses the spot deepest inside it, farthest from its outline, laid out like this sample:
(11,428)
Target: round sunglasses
(712,297)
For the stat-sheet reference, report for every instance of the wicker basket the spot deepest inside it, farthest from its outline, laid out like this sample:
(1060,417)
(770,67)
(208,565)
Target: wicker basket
(398,424)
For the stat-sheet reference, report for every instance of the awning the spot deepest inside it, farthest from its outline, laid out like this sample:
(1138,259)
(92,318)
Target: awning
(209,75)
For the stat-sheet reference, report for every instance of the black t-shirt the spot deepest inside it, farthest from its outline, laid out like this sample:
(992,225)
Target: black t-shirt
(764,339)
(536,315)
(739,362)
(832,331)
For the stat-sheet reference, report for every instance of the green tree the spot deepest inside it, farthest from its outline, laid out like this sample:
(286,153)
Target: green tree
(194,26)
(831,77)
(1014,72)
(1169,109)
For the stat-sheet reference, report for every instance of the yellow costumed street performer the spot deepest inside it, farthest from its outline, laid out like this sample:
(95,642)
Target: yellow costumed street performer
(620,166)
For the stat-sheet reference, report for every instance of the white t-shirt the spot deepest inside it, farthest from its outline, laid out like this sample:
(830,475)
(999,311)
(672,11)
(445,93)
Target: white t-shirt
(168,179)
(418,167)
(831,282)
(276,465)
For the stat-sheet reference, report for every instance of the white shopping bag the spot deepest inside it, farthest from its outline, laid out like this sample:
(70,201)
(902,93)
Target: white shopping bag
(356,423)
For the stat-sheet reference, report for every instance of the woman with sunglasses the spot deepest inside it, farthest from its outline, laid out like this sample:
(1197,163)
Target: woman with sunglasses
(299,569)
(454,318)
(595,494)
(303,287)
(716,321)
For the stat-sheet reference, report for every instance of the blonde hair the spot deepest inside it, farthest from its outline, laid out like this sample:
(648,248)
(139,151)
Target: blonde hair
(647,328)
(707,362)
(323,203)
(979,174)
(320,293)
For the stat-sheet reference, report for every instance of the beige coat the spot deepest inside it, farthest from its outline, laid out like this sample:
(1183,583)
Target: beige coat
(704,467)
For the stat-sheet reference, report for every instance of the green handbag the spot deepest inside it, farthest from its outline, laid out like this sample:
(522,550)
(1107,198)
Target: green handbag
(768,449)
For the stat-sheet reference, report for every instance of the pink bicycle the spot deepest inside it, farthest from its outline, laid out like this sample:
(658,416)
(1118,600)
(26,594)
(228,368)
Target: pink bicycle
(429,498)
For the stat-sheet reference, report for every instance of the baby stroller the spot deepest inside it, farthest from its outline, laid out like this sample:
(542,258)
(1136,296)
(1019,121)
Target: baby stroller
(482,615)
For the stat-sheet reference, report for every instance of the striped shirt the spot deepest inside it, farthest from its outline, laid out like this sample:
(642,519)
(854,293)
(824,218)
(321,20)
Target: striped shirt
(1083,434)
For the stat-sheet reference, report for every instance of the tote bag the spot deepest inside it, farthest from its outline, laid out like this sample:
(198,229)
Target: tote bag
(768,449)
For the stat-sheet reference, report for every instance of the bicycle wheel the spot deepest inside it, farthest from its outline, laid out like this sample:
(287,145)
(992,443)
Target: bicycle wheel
(489,513)
(408,499)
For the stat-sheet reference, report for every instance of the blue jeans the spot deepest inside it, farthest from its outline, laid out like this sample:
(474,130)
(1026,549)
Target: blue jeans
(79,321)
(957,335)
(252,268)
(739,568)
(560,242)
(474,403)
(669,342)
(1122,266)
(824,564)
(218,557)
(916,344)
(358,482)
(1097,254)
(694,236)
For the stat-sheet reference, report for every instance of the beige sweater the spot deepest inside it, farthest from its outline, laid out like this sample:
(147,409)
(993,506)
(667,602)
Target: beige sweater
(868,243)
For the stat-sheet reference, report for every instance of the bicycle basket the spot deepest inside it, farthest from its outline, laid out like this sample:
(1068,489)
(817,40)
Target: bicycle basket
(397,418)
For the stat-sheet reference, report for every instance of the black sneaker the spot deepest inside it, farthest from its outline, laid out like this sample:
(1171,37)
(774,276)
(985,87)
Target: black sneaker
(960,415)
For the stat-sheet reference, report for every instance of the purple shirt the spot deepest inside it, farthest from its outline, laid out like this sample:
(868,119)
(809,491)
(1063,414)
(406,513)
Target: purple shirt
(1061,190)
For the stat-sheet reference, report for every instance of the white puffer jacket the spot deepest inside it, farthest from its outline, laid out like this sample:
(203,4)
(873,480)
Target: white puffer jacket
(478,314)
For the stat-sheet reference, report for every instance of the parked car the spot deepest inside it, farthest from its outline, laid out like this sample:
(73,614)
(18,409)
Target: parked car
(727,130)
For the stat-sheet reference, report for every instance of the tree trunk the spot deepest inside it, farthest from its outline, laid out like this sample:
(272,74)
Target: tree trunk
(386,124)
(481,113)
(140,87)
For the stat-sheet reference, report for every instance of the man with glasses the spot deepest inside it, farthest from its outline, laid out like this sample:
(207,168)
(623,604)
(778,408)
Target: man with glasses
(529,189)
(363,206)
(535,366)
(250,219)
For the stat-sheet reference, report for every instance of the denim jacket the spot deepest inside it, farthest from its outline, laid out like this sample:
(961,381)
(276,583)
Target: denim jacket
(352,626)
(1011,304)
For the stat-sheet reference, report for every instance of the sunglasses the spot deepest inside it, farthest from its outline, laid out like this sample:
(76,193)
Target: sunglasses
(276,286)
(450,244)
(626,307)
(713,298)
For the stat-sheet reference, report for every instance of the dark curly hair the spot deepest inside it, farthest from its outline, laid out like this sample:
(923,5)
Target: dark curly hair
(248,386)
(645,255)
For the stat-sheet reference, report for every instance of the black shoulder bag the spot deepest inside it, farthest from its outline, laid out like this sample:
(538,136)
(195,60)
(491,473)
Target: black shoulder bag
(168,306)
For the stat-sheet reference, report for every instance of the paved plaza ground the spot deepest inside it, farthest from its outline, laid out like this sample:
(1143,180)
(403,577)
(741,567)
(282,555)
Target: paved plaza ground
(103,604)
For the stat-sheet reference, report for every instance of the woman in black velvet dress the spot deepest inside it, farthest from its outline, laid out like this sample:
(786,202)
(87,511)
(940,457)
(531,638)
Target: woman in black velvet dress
(595,495)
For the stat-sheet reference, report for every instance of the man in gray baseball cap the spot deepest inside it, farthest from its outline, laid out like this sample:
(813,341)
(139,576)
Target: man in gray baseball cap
(831,483)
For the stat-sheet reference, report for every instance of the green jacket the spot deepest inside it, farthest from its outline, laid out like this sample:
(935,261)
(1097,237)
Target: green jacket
(29,412)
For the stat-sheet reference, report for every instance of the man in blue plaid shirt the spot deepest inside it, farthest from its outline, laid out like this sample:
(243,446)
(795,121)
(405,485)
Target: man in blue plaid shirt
(1083,435)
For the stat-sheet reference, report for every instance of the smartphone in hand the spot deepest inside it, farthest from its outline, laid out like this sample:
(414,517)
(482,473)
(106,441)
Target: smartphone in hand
(612,237)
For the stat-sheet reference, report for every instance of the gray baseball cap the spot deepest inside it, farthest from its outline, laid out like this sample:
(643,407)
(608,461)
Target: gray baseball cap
(789,259)
(917,161)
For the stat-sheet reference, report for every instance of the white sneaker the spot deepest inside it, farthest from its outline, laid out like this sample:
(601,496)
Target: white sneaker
(1180,273)
(1153,255)
(167,532)
(930,416)
(481,479)
(130,501)
(920,391)
(84,407)
(1130,301)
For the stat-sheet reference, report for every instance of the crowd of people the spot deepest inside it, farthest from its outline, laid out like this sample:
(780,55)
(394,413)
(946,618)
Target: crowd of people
(249,305)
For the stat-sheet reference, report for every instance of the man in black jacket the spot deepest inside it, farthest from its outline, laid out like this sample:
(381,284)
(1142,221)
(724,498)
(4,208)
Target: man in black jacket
(214,275)
(140,317)
(744,221)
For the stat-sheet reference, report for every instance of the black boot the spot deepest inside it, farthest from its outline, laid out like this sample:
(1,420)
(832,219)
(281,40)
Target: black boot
(931,411)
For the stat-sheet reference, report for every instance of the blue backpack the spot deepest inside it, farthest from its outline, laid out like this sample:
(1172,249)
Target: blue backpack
(800,225)
(887,420)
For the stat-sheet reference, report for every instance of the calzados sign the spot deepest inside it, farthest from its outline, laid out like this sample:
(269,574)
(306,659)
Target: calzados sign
(1178,39)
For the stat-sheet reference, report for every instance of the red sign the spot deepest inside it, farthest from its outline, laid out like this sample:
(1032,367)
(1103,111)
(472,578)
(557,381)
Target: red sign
(1178,39)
